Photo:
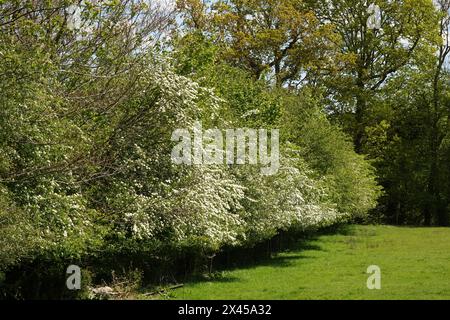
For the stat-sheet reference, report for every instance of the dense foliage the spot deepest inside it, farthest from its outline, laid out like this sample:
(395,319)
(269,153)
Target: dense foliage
(91,93)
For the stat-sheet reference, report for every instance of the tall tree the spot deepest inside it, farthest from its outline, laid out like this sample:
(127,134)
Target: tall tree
(413,144)
(438,110)
(281,40)
(377,51)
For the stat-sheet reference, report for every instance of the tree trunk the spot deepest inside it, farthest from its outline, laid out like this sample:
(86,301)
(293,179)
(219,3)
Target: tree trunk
(361,105)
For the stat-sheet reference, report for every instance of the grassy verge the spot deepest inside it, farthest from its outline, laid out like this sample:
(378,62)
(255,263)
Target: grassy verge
(414,262)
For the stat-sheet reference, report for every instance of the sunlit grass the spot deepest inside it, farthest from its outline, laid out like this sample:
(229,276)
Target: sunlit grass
(414,262)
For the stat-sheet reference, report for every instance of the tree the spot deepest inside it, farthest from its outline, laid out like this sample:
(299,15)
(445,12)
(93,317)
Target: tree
(410,141)
(376,54)
(438,111)
(280,40)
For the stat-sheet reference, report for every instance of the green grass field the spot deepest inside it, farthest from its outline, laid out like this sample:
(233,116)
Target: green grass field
(414,262)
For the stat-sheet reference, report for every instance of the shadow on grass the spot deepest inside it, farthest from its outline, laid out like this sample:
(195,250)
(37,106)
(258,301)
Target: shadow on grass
(282,251)
(223,275)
